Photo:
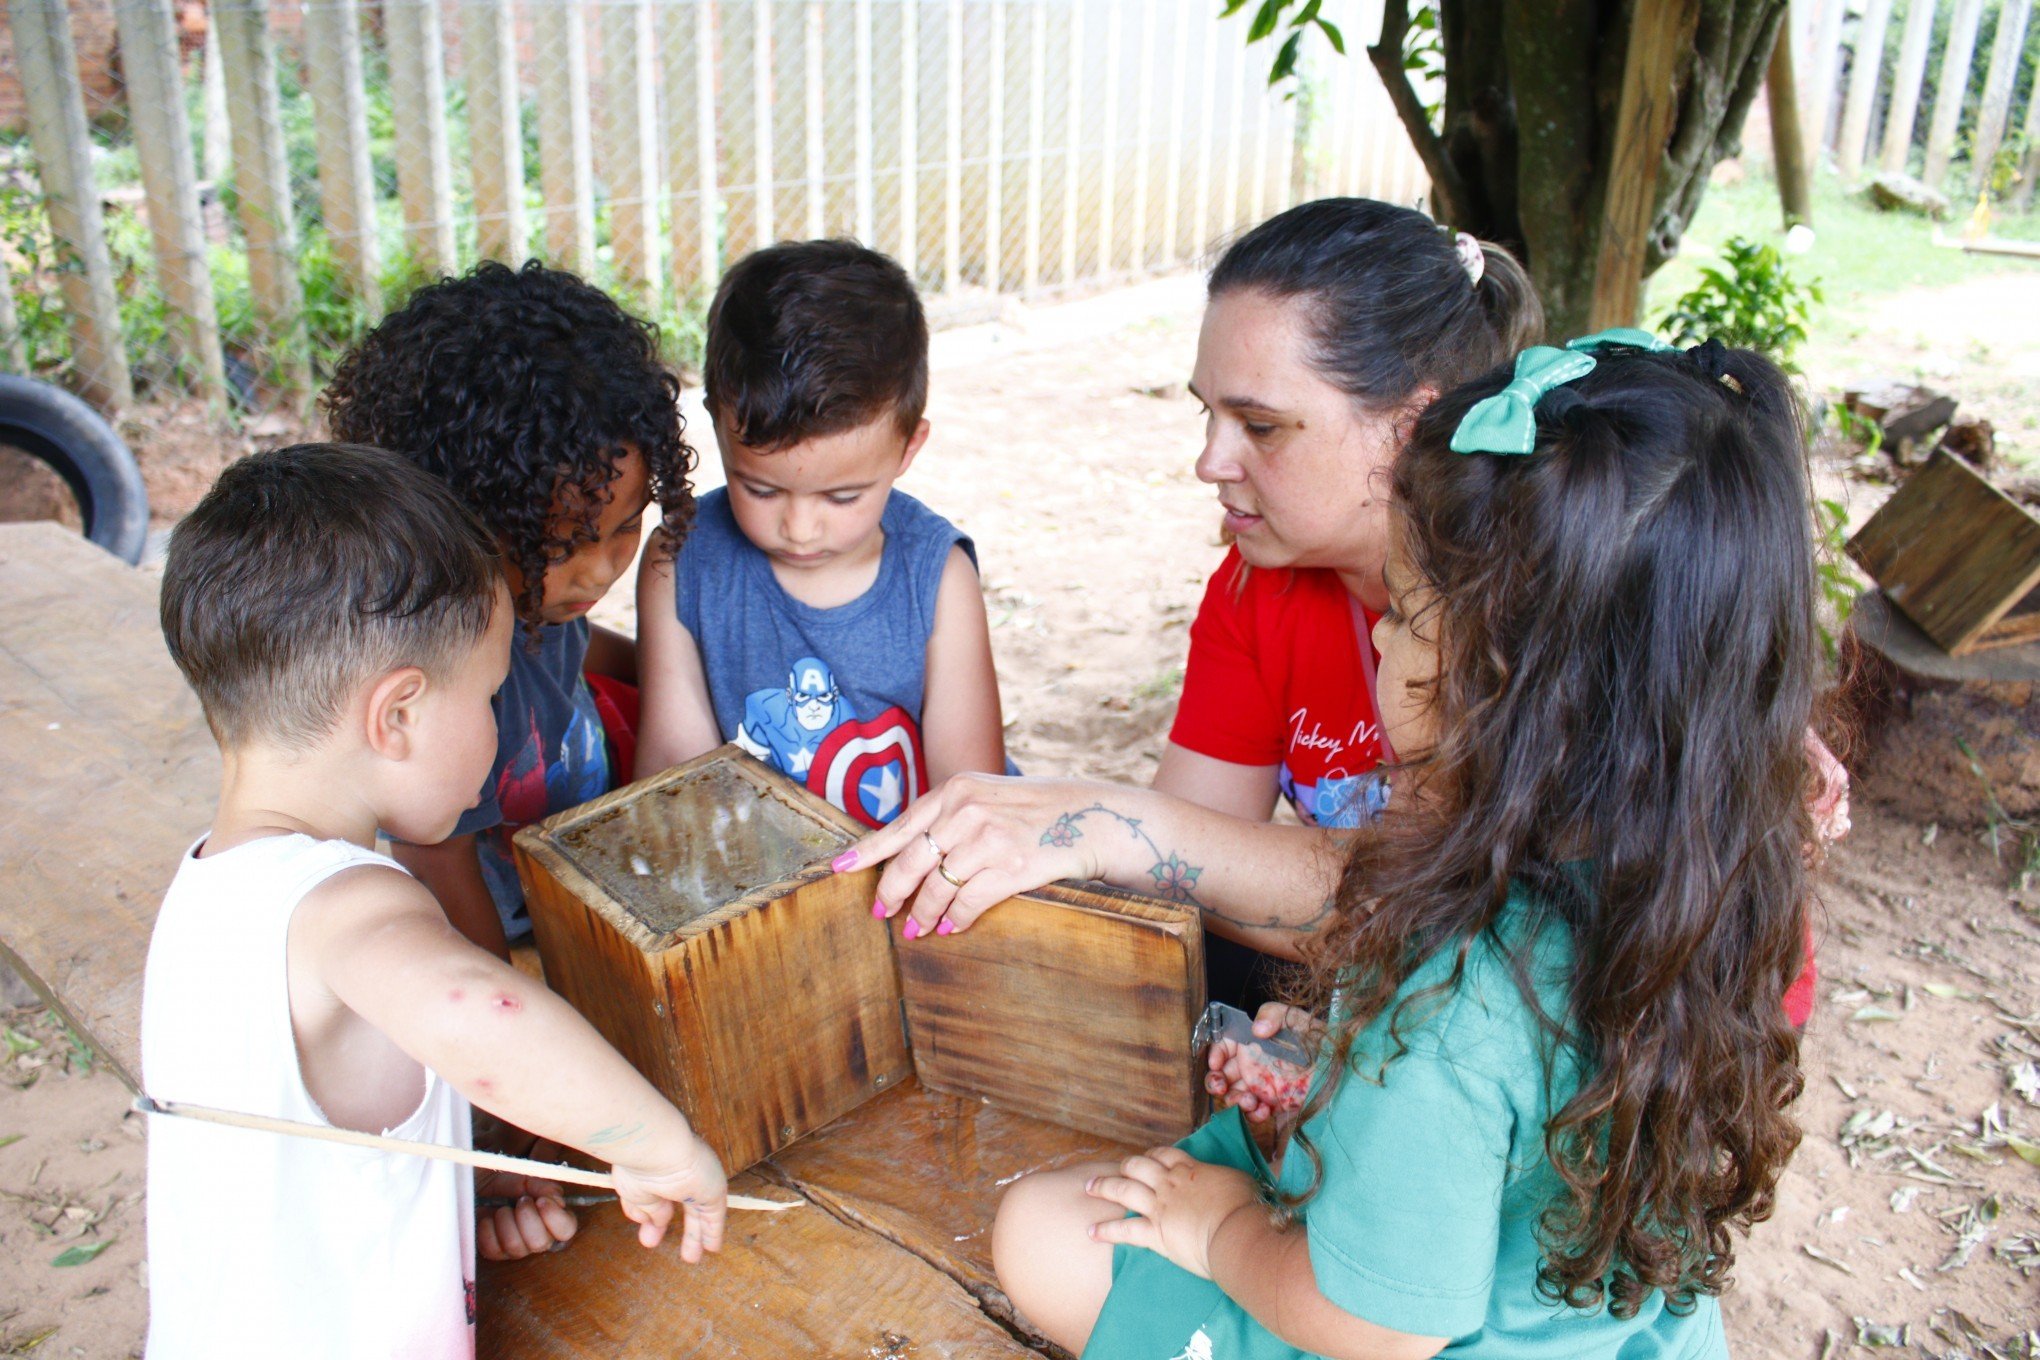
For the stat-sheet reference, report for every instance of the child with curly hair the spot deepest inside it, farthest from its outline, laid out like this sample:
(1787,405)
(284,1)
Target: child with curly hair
(1557,1067)
(545,406)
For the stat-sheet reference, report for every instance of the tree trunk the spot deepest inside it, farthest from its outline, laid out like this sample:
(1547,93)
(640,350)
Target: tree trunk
(1527,136)
(1788,137)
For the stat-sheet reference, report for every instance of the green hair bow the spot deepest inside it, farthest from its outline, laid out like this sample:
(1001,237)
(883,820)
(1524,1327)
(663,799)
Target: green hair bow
(1507,422)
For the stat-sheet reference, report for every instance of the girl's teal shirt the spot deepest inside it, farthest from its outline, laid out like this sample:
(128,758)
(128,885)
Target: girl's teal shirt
(1435,1177)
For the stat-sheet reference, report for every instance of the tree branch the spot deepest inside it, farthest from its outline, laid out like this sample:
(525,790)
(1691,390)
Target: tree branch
(1386,55)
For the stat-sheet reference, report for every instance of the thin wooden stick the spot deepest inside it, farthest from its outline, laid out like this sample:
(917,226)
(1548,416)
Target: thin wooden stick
(485,1161)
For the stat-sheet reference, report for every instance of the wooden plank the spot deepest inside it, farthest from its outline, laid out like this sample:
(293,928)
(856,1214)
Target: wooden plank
(1658,36)
(2005,49)
(1950,89)
(687,50)
(47,64)
(630,144)
(813,85)
(162,132)
(925,1171)
(1072,1005)
(340,131)
(1895,149)
(113,776)
(262,184)
(907,188)
(693,918)
(799,1283)
(416,49)
(495,137)
(565,149)
(1852,145)
(1952,551)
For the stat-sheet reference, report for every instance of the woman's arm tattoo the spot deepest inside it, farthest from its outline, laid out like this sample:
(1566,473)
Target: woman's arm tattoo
(1174,877)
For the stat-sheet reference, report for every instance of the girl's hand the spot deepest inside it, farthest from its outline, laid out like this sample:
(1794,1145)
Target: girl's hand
(697,1185)
(538,1221)
(1179,1204)
(999,836)
(1244,1075)
(1830,803)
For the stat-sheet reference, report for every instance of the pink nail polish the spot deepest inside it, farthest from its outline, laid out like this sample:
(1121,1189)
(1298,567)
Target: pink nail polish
(945,928)
(913,929)
(878,909)
(843,862)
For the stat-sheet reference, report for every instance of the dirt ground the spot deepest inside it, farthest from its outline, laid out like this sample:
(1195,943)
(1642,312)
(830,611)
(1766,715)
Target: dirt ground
(1910,1218)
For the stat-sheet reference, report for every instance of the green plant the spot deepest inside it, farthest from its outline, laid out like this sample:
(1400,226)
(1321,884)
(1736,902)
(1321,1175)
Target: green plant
(1750,300)
(1832,575)
(1268,18)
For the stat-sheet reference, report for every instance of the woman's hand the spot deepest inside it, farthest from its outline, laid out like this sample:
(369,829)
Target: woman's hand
(997,836)
(1262,1087)
(1178,1204)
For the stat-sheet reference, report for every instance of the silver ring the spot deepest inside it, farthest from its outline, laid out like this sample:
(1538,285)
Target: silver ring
(951,879)
(933,846)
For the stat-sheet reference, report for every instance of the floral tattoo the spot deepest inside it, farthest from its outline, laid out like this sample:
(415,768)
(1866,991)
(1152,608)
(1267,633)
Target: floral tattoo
(1175,878)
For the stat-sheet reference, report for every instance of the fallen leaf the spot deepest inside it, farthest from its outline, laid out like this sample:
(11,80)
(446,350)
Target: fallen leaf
(83,1252)
(1870,1013)
(1870,1333)
(1817,1254)
(1903,1197)
(9,1139)
(1948,991)
(2030,1151)
(2025,1079)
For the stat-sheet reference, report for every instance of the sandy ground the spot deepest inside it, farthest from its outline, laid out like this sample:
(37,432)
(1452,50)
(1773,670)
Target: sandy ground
(1910,1217)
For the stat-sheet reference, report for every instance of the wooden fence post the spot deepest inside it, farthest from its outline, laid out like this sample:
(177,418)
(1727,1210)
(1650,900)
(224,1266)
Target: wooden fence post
(813,86)
(1143,133)
(1643,125)
(162,131)
(995,156)
(688,49)
(1108,176)
(495,137)
(867,208)
(565,152)
(340,129)
(630,143)
(909,183)
(417,57)
(1851,146)
(1073,141)
(262,183)
(952,147)
(762,210)
(1788,141)
(219,156)
(1895,147)
(2005,49)
(1823,64)
(1037,113)
(1229,208)
(1950,89)
(55,99)
(1172,174)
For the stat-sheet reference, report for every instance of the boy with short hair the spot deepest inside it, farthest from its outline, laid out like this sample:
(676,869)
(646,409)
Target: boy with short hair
(826,622)
(344,621)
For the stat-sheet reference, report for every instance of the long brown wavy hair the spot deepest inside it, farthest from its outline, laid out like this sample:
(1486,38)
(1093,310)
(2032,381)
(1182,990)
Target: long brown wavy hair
(1625,630)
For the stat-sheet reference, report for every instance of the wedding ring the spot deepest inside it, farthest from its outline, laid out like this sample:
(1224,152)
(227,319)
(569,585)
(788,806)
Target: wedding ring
(951,879)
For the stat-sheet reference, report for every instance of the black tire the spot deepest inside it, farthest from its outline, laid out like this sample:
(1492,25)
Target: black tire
(50,424)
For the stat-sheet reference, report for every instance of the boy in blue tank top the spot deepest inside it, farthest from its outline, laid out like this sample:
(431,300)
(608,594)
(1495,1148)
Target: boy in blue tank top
(827,623)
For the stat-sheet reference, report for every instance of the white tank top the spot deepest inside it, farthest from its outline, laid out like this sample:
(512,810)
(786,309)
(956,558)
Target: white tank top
(264,1244)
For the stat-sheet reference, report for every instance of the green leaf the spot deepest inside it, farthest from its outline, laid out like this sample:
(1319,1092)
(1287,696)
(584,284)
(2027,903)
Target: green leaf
(10,1139)
(1265,22)
(1308,13)
(1285,60)
(83,1252)
(1232,7)
(1333,36)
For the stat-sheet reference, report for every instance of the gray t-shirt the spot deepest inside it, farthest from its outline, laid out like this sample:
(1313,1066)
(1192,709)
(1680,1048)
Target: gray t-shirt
(550,756)
(831,697)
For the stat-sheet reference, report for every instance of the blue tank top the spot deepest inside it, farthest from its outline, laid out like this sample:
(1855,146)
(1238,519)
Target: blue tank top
(831,697)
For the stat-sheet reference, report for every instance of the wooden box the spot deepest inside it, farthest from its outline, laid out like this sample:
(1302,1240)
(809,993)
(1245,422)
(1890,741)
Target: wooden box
(1072,1005)
(1957,556)
(693,919)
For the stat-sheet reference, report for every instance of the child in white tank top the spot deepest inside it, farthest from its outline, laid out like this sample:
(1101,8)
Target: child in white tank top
(344,622)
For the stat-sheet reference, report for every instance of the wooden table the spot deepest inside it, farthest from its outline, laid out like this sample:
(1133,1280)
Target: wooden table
(111,774)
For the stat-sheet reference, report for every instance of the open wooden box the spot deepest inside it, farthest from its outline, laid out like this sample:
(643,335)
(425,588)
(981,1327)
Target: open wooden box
(693,918)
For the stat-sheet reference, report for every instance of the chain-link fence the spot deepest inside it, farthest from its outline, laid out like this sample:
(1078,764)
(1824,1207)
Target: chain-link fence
(217,197)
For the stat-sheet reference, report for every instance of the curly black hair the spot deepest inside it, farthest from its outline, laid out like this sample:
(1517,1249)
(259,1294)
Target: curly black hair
(521,387)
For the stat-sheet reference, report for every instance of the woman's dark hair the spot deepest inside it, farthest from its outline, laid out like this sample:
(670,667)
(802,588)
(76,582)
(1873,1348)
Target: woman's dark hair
(1393,308)
(1624,622)
(522,388)
(811,338)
